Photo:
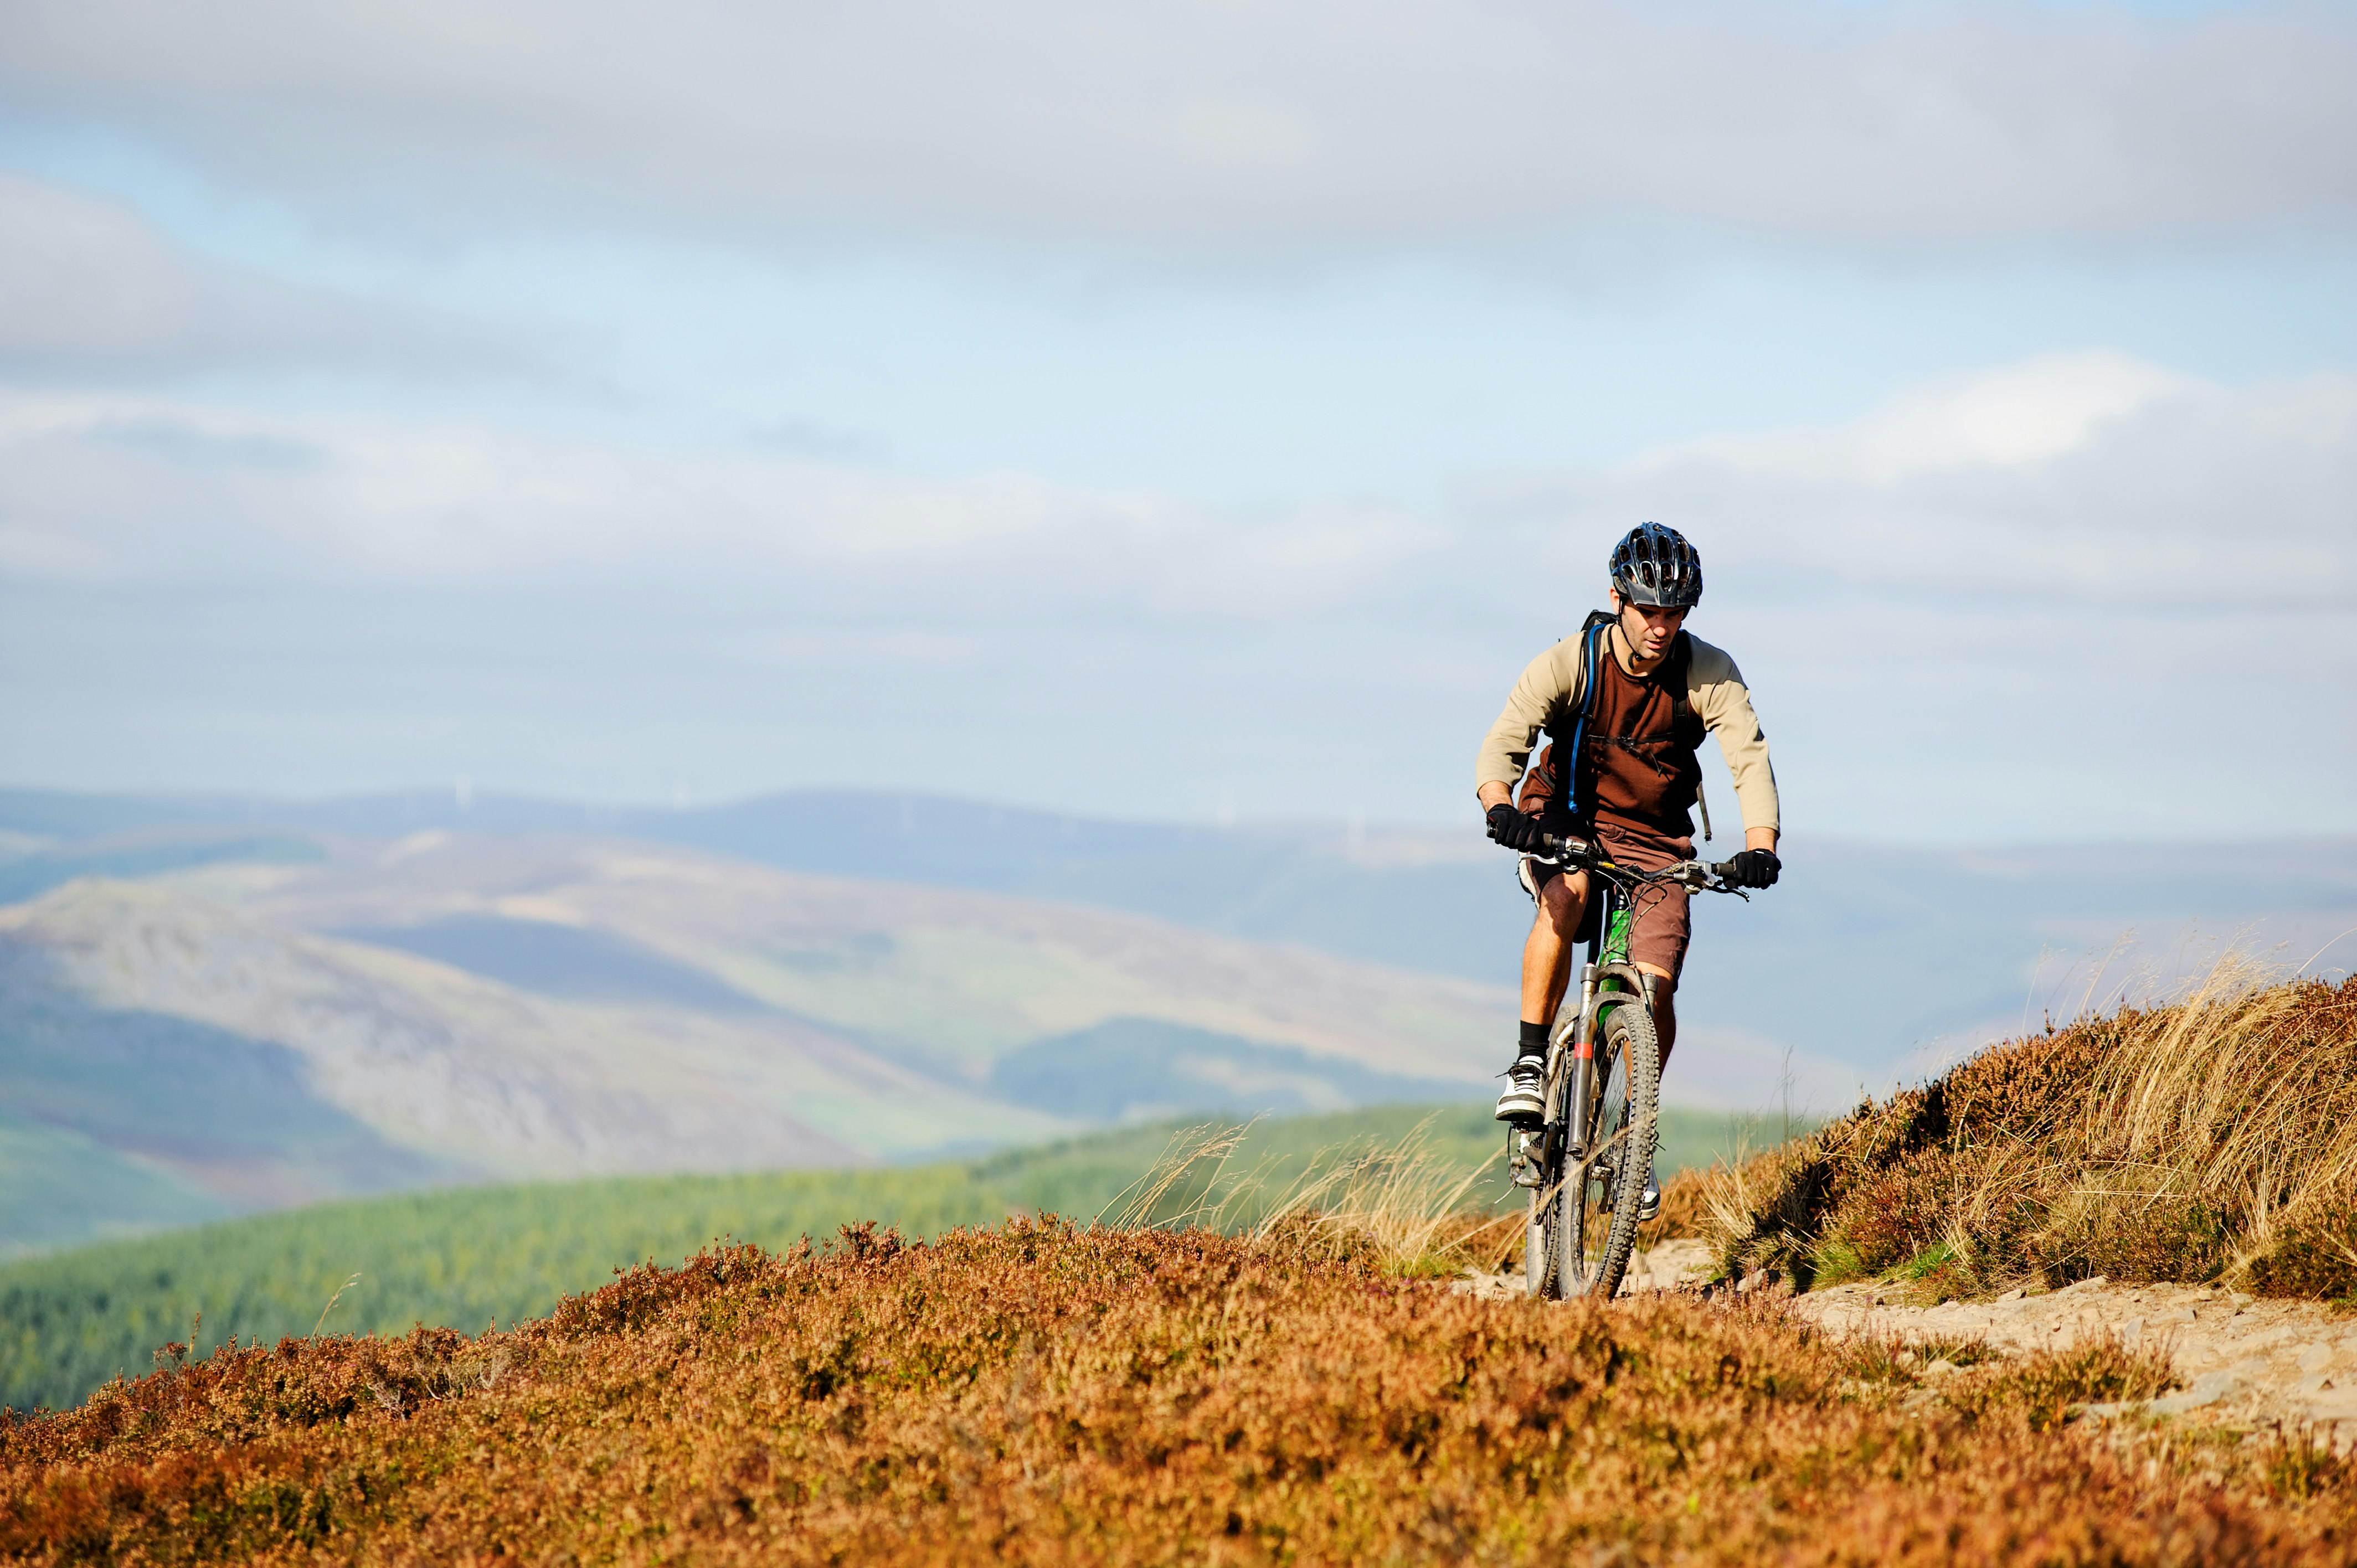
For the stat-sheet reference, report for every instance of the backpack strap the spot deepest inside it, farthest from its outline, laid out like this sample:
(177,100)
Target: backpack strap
(1591,649)
(1677,671)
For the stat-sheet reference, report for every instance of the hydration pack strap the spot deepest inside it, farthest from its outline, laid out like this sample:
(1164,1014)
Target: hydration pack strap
(1591,648)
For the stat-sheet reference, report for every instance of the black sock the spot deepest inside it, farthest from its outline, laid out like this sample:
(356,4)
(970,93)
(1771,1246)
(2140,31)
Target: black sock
(1534,1040)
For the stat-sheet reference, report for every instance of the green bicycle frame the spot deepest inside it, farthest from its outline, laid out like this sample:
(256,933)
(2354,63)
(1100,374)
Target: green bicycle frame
(1599,988)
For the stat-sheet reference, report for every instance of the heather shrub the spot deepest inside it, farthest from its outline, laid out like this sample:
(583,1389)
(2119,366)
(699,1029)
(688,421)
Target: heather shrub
(1042,1393)
(2311,1248)
(2041,1389)
(2114,1231)
(2216,1138)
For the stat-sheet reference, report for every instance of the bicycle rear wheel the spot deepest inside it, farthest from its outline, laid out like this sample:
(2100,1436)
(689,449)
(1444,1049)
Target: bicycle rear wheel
(1587,1216)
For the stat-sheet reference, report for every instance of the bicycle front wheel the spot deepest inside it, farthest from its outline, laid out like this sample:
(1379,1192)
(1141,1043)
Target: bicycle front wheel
(1590,1217)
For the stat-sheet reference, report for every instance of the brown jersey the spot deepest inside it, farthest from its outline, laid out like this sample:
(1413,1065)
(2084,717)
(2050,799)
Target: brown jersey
(1637,764)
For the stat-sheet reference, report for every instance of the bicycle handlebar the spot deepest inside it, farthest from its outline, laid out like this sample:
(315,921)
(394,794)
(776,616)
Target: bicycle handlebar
(1580,855)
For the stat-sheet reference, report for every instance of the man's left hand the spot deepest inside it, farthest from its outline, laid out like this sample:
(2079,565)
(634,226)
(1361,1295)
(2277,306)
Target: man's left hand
(1754,868)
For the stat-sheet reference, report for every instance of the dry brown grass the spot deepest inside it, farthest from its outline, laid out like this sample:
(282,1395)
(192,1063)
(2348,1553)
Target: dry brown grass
(1044,1394)
(2216,1138)
(1410,1204)
(1406,1204)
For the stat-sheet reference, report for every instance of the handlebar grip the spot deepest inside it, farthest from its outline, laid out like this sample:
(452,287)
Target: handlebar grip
(1724,871)
(1570,848)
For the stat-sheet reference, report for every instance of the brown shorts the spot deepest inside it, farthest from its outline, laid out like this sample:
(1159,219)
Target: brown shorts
(1663,924)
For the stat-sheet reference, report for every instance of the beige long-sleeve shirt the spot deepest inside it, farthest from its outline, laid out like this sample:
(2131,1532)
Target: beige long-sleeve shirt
(1550,689)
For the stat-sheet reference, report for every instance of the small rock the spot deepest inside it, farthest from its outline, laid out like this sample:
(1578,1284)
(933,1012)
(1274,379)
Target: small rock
(2315,1385)
(2132,1331)
(1941,1368)
(2316,1358)
(2182,1314)
(2207,1390)
(2241,1298)
(2013,1295)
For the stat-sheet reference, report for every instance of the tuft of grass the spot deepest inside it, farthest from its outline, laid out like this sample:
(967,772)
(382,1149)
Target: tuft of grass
(1410,1203)
(2213,1139)
(1956,1350)
(2300,1466)
(1891,1359)
(2042,1388)
(1407,1201)
(1879,1359)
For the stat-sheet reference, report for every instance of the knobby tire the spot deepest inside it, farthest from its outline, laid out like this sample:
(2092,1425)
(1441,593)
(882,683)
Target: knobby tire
(1586,1240)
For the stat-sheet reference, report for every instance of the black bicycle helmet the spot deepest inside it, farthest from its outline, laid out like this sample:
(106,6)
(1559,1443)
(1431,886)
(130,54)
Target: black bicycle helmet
(1655,566)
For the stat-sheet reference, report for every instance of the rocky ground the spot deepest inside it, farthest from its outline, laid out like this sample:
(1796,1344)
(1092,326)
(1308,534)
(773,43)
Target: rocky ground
(2241,1361)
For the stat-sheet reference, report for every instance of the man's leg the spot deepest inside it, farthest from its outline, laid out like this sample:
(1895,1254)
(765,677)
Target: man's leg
(1545,970)
(1547,952)
(1666,1009)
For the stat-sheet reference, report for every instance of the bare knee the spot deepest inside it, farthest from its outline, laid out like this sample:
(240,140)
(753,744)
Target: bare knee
(1563,901)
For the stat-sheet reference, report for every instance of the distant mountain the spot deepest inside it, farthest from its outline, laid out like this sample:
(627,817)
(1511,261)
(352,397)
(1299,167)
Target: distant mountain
(181,1047)
(1866,962)
(1424,901)
(236,1033)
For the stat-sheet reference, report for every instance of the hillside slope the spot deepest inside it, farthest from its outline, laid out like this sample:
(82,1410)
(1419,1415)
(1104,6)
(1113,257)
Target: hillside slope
(461,1257)
(2215,1139)
(225,1056)
(246,1034)
(1036,1394)
(947,978)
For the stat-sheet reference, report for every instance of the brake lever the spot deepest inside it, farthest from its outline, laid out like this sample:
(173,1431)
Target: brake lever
(1714,879)
(1575,851)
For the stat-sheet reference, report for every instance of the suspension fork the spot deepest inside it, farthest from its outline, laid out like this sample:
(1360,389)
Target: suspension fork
(1579,1087)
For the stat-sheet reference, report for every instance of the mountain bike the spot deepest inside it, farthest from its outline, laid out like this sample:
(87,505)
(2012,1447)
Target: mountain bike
(1585,1165)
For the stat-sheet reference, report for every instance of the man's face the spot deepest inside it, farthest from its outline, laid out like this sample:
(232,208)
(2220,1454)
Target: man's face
(1649,629)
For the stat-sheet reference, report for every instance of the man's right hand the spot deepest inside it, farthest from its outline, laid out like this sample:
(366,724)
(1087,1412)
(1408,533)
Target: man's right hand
(1516,830)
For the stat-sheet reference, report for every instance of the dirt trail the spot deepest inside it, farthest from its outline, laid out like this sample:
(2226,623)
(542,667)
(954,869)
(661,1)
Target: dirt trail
(2241,1361)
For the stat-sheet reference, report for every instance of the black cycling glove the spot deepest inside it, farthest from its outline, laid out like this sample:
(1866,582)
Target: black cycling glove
(1515,829)
(1754,868)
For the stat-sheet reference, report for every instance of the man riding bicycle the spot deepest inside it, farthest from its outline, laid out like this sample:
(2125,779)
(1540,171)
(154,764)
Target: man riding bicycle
(1620,772)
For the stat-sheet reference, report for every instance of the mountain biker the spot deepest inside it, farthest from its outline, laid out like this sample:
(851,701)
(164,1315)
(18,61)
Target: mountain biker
(1630,785)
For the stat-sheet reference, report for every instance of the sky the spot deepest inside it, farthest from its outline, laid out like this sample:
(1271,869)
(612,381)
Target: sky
(1178,411)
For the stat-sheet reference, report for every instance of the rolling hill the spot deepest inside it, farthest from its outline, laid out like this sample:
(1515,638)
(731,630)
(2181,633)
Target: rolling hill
(212,1004)
(1940,946)
(232,1034)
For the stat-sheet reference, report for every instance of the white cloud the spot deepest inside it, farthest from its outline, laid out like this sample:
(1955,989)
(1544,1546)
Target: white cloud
(78,276)
(88,284)
(2091,477)
(2016,417)
(1192,129)
(2020,641)
(109,489)
(2095,478)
